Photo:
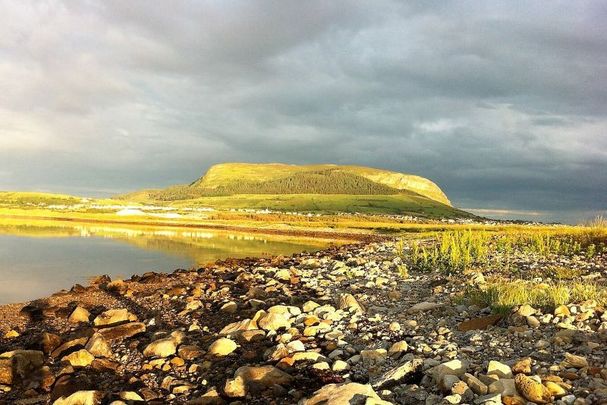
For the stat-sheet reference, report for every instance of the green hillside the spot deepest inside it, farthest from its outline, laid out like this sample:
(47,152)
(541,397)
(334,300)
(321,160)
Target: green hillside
(225,174)
(310,188)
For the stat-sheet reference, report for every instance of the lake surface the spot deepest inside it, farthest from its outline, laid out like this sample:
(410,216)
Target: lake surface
(38,259)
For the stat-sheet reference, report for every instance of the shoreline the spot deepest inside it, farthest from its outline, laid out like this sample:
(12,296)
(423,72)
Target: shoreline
(344,323)
(315,234)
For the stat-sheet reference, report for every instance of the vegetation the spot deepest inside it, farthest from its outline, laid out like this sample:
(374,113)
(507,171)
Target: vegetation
(460,250)
(504,295)
(282,187)
(234,173)
(537,276)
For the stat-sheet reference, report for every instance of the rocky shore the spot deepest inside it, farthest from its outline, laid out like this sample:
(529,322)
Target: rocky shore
(340,326)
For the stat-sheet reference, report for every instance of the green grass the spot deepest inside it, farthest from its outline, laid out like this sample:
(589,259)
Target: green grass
(405,204)
(24,199)
(503,295)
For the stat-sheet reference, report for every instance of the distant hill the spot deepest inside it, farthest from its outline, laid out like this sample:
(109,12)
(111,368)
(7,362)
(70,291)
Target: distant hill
(327,187)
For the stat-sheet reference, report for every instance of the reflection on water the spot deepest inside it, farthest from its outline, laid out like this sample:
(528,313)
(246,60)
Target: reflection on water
(40,257)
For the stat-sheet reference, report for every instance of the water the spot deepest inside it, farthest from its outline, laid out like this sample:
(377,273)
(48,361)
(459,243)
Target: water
(38,259)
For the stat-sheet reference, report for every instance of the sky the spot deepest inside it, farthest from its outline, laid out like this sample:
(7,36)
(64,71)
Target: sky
(502,103)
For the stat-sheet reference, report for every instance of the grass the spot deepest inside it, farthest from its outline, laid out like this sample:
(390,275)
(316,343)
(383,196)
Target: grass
(400,204)
(451,251)
(503,295)
(457,251)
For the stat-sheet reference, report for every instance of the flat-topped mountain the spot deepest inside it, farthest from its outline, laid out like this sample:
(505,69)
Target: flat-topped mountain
(310,188)
(315,179)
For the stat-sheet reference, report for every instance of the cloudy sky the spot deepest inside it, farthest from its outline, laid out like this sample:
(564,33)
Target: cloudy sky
(503,104)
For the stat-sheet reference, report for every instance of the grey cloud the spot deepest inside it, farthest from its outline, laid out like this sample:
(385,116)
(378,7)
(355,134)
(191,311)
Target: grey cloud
(503,105)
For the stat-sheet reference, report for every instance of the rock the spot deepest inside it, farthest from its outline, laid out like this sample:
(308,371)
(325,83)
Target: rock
(340,365)
(81,398)
(555,389)
(479,323)
(345,394)
(283,275)
(525,310)
(98,346)
(513,400)
(124,331)
(532,390)
(424,306)
(533,322)
(489,399)
(571,360)
(114,317)
(446,382)
(239,326)
(190,352)
(274,321)
(296,346)
(562,311)
(349,303)
(80,358)
(229,307)
(394,327)
(504,386)
(461,388)
(49,342)
(69,346)
(454,367)
(130,396)
(78,315)
(522,366)
(373,357)
(309,306)
(19,364)
(161,348)
(211,397)
(222,347)
(264,376)
(11,334)
(398,348)
(235,387)
(400,375)
(498,369)
(476,385)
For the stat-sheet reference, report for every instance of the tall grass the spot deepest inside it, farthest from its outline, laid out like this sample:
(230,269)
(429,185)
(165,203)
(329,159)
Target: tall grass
(501,296)
(451,251)
(455,251)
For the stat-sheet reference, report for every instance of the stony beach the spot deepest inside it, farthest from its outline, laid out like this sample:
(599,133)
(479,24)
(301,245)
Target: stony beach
(341,326)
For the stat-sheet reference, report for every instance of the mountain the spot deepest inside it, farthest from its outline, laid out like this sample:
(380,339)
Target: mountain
(323,188)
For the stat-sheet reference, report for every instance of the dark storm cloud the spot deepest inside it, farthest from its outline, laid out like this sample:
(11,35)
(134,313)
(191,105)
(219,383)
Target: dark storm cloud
(504,104)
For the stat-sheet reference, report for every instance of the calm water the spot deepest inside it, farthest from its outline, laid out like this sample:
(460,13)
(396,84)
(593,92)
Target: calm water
(39,259)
